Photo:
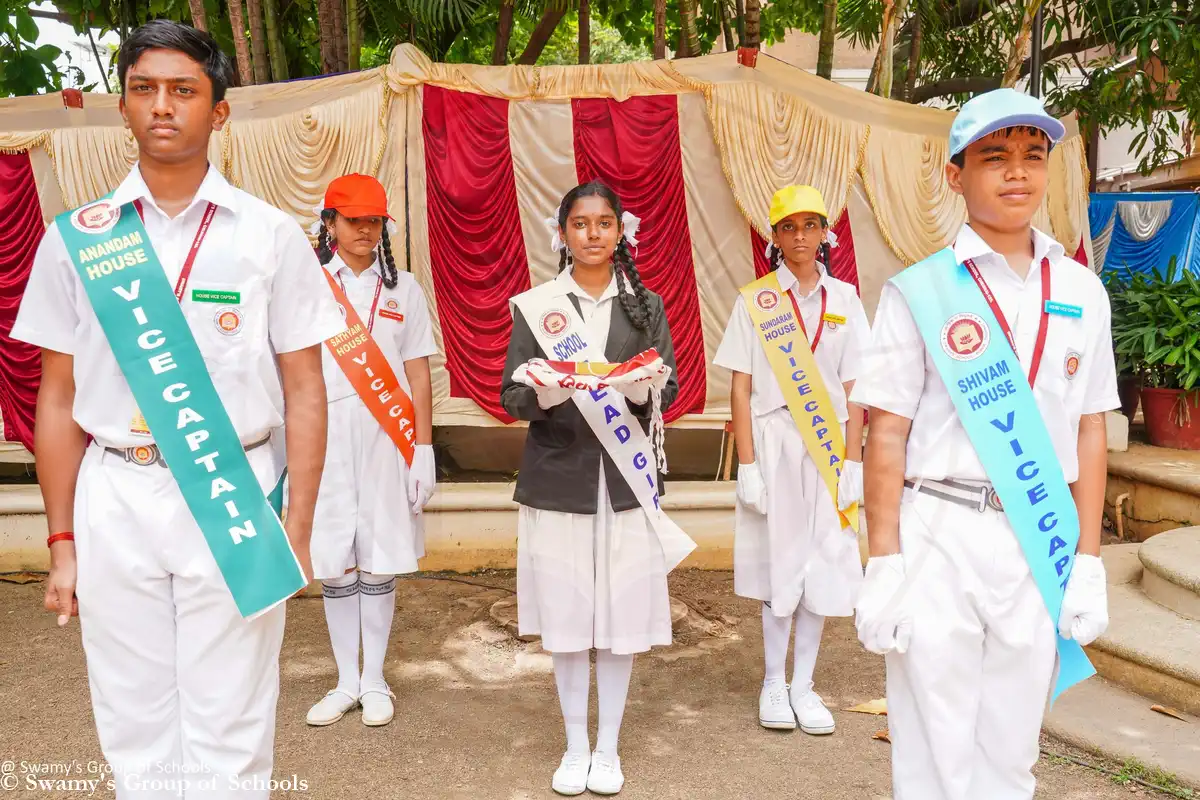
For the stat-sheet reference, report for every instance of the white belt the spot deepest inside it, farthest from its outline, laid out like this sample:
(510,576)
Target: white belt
(147,455)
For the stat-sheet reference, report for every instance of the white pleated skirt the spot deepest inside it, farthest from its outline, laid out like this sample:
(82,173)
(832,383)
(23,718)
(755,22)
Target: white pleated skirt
(363,518)
(592,580)
(798,553)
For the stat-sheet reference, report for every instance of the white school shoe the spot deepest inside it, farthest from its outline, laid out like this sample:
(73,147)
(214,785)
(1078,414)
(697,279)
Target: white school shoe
(377,707)
(605,775)
(331,708)
(814,717)
(571,777)
(774,709)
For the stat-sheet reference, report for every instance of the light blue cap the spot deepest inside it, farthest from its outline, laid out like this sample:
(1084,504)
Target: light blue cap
(996,110)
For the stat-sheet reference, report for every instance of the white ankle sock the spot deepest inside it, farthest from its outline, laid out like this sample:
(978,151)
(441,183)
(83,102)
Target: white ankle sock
(341,614)
(573,676)
(775,645)
(808,641)
(612,687)
(377,596)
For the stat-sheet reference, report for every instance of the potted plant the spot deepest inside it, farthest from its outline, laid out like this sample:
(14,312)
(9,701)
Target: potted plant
(1129,382)
(1158,332)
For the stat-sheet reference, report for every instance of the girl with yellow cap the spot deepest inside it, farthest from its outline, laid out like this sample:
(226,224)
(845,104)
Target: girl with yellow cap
(794,344)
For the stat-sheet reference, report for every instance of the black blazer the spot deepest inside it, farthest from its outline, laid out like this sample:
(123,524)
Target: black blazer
(560,468)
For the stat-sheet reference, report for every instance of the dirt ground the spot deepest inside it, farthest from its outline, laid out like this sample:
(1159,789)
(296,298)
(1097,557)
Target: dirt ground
(477,715)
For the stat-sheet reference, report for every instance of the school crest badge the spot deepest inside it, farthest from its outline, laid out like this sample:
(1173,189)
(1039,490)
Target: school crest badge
(228,321)
(766,299)
(1071,364)
(554,323)
(96,218)
(965,337)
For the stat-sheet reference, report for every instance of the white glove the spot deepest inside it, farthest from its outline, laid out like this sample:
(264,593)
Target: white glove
(422,477)
(850,485)
(750,488)
(883,626)
(551,396)
(1084,614)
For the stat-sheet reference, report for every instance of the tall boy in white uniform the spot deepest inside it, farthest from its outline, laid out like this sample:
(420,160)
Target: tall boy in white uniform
(183,687)
(949,595)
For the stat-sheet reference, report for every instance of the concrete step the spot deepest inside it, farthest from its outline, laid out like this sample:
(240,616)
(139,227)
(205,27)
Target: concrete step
(1172,570)
(1151,490)
(1149,649)
(1106,719)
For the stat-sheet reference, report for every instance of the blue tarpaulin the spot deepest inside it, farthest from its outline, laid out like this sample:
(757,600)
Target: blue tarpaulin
(1137,232)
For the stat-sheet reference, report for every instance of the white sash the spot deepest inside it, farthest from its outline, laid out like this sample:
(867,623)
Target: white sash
(561,332)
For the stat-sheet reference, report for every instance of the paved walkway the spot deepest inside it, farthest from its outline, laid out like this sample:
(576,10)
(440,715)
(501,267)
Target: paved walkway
(477,715)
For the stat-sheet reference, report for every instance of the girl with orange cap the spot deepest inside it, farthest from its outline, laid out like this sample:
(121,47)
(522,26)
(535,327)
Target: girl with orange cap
(363,534)
(793,343)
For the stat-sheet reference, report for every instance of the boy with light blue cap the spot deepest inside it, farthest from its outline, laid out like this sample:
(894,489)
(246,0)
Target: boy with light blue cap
(988,376)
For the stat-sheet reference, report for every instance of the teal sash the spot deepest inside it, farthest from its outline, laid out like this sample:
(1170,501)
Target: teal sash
(996,405)
(158,355)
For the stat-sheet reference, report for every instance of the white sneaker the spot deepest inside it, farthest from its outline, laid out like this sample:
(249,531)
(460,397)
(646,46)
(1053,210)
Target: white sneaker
(605,776)
(377,707)
(814,717)
(774,710)
(571,777)
(331,708)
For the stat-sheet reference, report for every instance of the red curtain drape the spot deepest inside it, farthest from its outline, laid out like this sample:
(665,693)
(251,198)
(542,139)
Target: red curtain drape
(20,231)
(476,246)
(844,266)
(633,146)
(1081,254)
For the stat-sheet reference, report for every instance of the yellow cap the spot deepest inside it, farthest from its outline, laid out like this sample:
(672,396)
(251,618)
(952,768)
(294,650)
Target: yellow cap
(796,200)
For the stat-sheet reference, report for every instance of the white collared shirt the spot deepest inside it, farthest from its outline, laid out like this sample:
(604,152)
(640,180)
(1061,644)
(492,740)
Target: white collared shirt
(1077,374)
(401,329)
(252,251)
(838,353)
(596,313)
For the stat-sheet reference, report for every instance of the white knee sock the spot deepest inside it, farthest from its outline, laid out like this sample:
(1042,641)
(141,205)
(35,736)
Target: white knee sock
(612,687)
(573,676)
(377,595)
(341,614)
(775,645)
(808,640)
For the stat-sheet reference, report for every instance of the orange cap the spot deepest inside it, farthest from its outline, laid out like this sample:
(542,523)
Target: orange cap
(357,195)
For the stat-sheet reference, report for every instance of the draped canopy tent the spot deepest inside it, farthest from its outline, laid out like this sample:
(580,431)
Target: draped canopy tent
(475,158)
(1142,231)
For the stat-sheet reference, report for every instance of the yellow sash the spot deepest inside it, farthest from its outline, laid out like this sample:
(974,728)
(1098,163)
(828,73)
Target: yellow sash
(794,367)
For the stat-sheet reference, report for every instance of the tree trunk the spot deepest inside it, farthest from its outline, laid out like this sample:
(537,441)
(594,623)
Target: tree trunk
(739,6)
(914,58)
(892,14)
(339,28)
(541,36)
(585,32)
(353,35)
(503,34)
(681,47)
(238,23)
(258,42)
(753,10)
(660,29)
(687,10)
(873,77)
(199,17)
(329,62)
(726,30)
(828,38)
(1016,55)
(279,65)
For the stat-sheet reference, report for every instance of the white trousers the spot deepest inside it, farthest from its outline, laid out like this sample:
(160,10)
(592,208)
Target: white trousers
(965,703)
(183,689)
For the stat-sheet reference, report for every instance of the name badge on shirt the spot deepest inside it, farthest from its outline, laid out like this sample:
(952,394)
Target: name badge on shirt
(1064,309)
(214,296)
(833,320)
(391,310)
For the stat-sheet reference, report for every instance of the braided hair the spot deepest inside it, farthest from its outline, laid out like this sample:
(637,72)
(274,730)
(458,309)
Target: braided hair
(824,253)
(386,261)
(636,307)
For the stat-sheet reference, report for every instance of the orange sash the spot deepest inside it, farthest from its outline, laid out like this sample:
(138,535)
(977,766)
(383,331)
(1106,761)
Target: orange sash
(372,377)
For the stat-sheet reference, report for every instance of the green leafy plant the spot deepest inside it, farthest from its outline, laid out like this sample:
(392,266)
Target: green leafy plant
(1156,327)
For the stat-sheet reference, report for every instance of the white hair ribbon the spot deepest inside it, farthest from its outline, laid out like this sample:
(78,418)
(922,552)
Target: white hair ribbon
(556,240)
(631,224)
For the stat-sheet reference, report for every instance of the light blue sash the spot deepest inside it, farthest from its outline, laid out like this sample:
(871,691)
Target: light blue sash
(996,405)
(158,355)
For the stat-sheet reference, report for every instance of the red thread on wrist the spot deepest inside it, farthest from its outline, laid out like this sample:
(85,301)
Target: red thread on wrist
(65,536)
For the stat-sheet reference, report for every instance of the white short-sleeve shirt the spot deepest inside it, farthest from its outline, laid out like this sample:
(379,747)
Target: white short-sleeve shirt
(401,324)
(254,257)
(1077,374)
(838,354)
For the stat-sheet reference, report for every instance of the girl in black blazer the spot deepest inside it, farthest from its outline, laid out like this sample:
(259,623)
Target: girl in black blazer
(590,570)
